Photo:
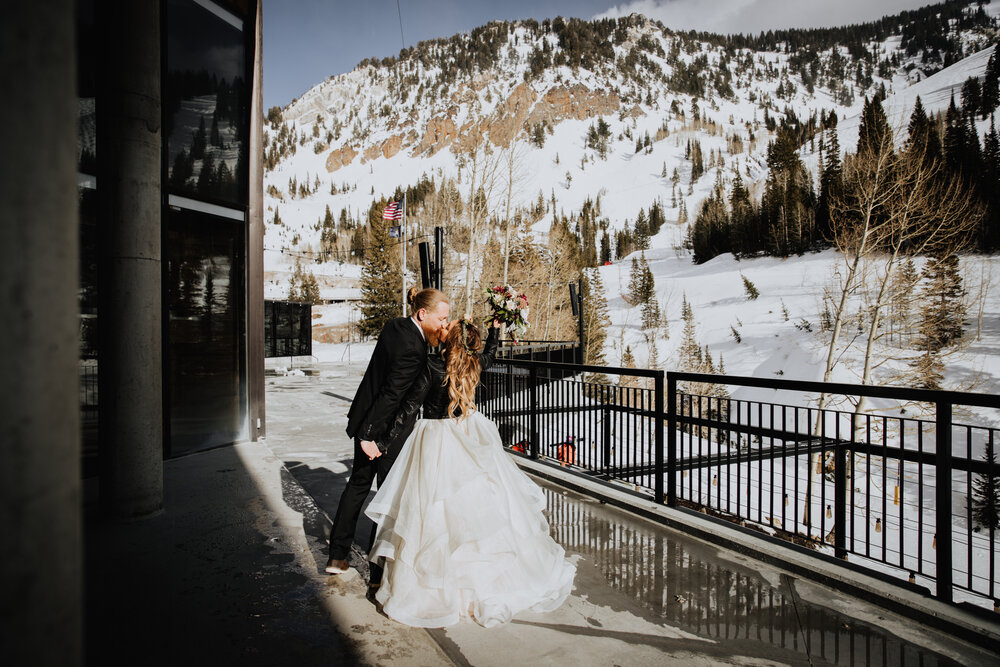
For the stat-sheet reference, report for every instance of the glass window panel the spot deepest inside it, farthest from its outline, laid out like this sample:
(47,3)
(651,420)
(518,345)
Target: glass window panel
(206,105)
(287,329)
(86,85)
(88,331)
(206,332)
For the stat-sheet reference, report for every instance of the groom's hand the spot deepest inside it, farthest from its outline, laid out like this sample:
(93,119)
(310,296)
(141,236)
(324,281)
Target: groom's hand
(371,449)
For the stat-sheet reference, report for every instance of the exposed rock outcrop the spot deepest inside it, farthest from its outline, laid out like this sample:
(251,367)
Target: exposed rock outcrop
(340,158)
(440,132)
(509,118)
(576,102)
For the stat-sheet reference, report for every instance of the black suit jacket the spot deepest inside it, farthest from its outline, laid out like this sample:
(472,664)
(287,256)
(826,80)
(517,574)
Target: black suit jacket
(399,358)
(431,390)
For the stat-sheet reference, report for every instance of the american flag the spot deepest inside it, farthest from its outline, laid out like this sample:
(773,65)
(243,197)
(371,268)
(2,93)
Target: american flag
(393,211)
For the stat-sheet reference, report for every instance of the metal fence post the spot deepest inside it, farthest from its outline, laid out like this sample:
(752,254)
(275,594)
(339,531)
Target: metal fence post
(942,488)
(672,454)
(606,437)
(841,453)
(533,410)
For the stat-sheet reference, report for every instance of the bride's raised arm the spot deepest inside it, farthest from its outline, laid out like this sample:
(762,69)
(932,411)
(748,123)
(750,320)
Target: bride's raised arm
(489,352)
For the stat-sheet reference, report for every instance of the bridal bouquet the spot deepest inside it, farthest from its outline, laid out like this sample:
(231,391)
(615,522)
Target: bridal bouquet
(509,308)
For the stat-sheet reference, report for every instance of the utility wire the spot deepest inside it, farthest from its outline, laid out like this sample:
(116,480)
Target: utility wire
(402,41)
(340,255)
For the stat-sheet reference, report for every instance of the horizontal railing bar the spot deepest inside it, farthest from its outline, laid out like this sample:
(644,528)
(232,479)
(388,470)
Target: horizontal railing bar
(575,369)
(905,393)
(794,439)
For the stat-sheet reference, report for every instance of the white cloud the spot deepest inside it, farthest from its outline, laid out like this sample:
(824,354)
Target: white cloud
(753,16)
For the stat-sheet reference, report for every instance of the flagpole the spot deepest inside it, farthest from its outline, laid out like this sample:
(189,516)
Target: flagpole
(404,254)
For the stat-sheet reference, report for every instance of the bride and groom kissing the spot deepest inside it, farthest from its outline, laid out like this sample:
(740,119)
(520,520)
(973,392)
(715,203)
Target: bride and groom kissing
(458,526)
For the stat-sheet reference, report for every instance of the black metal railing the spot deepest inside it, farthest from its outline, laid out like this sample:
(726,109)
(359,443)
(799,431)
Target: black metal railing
(561,351)
(862,485)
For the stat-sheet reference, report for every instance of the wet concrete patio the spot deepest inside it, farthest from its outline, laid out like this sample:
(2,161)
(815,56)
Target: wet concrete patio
(644,593)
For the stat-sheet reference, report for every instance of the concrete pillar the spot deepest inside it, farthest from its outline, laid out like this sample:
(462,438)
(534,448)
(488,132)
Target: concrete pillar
(130,290)
(41,562)
(255,243)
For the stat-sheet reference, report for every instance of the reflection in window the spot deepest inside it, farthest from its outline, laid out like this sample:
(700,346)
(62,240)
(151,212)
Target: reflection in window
(287,329)
(206,102)
(86,86)
(206,333)
(89,434)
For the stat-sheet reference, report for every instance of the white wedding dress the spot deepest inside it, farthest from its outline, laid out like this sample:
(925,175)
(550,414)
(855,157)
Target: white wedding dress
(462,531)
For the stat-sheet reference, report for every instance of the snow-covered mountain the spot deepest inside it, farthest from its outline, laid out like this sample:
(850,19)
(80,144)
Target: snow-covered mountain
(540,88)
(386,124)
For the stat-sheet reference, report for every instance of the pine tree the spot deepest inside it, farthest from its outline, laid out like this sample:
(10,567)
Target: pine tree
(295,283)
(309,291)
(690,350)
(650,308)
(628,360)
(972,97)
(990,97)
(956,142)
(596,322)
(831,184)
(744,240)
(328,236)
(922,136)
(199,142)
(943,316)
(651,317)
(634,296)
(380,275)
(215,139)
(605,253)
(985,497)
(873,131)
(207,176)
(989,186)
(642,230)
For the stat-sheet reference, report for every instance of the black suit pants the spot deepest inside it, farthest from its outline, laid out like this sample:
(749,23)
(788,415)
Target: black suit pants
(353,498)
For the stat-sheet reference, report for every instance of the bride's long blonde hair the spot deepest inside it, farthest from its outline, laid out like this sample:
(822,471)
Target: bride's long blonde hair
(461,351)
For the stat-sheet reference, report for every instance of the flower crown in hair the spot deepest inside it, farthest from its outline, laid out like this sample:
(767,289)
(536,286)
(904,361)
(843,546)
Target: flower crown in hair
(465,321)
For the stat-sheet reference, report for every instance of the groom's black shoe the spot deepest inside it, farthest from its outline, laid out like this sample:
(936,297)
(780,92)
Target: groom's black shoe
(337,566)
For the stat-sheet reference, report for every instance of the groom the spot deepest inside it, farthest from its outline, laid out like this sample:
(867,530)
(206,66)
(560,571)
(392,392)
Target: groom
(399,357)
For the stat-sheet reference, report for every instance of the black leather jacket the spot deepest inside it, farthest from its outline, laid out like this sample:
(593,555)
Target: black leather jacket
(431,388)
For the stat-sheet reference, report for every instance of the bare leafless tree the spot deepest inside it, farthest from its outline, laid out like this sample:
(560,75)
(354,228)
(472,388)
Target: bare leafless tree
(894,204)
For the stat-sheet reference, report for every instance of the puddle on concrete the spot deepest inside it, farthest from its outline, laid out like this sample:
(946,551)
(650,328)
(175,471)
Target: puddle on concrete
(308,372)
(684,584)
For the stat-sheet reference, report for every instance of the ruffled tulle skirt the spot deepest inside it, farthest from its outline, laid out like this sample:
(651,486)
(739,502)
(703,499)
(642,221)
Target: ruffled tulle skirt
(462,531)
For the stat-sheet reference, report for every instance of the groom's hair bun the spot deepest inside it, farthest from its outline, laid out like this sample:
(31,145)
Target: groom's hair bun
(411,294)
(427,299)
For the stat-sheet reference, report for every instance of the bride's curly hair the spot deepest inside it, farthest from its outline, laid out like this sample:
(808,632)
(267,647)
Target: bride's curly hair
(461,352)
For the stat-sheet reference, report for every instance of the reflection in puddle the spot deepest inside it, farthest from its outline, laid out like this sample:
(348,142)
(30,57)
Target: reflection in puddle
(683,584)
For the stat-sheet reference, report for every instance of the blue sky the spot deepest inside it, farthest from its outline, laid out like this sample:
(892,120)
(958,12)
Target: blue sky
(306,41)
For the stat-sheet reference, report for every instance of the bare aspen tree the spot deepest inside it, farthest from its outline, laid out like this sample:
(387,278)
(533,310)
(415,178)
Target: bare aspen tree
(479,161)
(514,178)
(893,205)
(929,212)
(856,214)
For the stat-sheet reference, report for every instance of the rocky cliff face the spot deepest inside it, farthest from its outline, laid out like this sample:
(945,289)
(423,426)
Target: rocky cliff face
(519,112)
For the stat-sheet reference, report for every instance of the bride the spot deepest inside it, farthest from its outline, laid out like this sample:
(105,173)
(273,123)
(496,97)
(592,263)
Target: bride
(459,524)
